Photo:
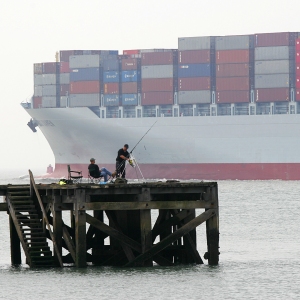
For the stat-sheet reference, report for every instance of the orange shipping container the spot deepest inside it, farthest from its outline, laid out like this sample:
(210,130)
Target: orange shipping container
(232,56)
(232,83)
(111,88)
(85,87)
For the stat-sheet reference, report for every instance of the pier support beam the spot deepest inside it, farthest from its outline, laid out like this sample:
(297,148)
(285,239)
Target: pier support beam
(57,229)
(15,244)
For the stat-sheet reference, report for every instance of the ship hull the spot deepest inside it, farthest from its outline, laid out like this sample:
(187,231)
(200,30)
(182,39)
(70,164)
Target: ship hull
(226,147)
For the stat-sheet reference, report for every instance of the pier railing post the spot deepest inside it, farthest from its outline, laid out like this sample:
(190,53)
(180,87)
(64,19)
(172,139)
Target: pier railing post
(80,228)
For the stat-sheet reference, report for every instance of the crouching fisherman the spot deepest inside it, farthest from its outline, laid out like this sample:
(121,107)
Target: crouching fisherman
(97,173)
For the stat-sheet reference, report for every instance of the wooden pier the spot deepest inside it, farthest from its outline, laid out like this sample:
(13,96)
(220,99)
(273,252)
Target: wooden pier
(110,224)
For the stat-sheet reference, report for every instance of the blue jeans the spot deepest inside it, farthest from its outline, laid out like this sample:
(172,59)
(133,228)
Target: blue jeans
(104,172)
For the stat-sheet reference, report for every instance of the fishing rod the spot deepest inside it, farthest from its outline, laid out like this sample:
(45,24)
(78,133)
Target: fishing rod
(142,137)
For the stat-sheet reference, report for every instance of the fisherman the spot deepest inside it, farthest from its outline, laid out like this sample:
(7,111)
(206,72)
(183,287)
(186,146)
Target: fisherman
(123,155)
(97,173)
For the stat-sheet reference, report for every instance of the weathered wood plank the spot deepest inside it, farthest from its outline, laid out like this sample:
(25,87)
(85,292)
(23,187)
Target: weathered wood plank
(173,237)
(147,205)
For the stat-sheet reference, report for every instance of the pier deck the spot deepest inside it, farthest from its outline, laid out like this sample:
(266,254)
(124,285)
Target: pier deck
(111,224)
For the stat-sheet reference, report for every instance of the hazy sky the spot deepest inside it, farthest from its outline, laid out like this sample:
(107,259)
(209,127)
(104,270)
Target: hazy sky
(32,31)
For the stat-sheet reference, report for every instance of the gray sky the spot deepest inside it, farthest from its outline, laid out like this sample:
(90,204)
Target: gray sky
(32,31)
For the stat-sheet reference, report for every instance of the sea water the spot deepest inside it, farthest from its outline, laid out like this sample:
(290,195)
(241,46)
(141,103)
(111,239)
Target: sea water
(259,246)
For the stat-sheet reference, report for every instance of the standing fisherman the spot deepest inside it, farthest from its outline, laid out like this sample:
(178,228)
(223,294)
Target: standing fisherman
(123,155)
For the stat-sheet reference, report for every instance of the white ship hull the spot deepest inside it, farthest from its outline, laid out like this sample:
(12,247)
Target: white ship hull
(223,147)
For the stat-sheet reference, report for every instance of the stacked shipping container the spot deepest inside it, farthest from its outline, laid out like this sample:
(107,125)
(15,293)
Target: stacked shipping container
(233,65)
(297,60)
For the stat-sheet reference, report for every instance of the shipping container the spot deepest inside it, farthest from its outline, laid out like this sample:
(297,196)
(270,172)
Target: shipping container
(158,71)
(232,56)
(130,64)
(111,100)
(49,67)
(131,52)
(233,42)
(129,99)
(65,54)
(157,85)
(298,83)
(196,43)
(49,90)
(157,58)
(36,102)
(272,81)
(298,95)
(38,91)
(85,74)
(298,70)
(43,79)
(232,83)
(64,78)
(110,64)
(272,95)
(85,87)
(194,57)
(157,98)
(298,57)
(130,76)
(232,97)
(48,101)
(273,67)
(194,97)
(64,89)
(82,100)
(64,67)
(111,76)
(64,101)
(297,45)
(275,39)
(232,70)
(194,83)
(111,88)
(194,70)
(273,53)
(38,68)
(84,61)
(129,87)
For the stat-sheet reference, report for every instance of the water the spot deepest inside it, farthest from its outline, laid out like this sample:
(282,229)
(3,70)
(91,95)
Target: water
(259,245)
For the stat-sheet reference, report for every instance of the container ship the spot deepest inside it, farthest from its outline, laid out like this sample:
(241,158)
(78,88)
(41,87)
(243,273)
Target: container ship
(225,107)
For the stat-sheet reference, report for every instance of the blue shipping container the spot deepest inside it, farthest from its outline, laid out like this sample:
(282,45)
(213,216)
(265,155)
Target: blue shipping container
(131,76)
(129,99)
(85,74)
(111,76)
(194,70)
(111,100)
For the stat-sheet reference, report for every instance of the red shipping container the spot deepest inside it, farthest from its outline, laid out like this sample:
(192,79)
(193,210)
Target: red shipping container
(232,70)
(111,88)
(157,85)
(232,97)
(64,67)
(194,57)
(37,102)
(298,82)
(194,84)
(129,64)
(85,87)
(157,98)
(298,70)
(232,56)
(49,68)
(272,95)
(297,44)
(129,87)
(275,39)
(298,57)
(297,95)
(157,58)
(232,83)
(131,52)
(64,89)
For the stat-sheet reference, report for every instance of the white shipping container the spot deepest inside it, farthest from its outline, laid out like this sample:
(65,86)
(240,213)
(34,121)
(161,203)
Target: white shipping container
(272,67)
(76,100)
(48,101)
(194,97)
(272,81)
(84,61)
(194,43)
(43,79)
(49,90)
(64,78)
(233,42)
(38,90)
(157,71)
(272,53)
(63,101)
